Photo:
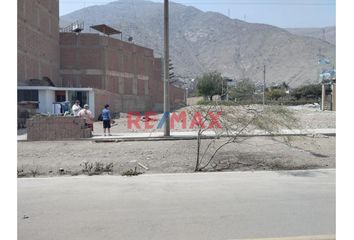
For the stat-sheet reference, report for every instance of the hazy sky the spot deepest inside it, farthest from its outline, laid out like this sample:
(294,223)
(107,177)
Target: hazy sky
(281,13)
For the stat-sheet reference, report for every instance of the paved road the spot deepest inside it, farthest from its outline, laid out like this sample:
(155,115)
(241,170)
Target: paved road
(178,206)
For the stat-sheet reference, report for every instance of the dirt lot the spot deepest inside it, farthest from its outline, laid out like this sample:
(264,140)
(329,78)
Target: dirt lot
(308,117)
(256,153)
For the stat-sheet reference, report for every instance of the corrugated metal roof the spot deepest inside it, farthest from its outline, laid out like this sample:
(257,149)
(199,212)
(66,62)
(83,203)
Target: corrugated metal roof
(103,28)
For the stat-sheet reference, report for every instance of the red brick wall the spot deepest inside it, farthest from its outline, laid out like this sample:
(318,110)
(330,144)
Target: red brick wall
(113,84)
(56,128)
(103,97)
(90,58)
(115,60)
(128,86)
(130,72)
(67,58)
(90,81)
(91,51)
(67,39)
(177,96)
(38,40)
(141,87)
(120,103)
(156,83)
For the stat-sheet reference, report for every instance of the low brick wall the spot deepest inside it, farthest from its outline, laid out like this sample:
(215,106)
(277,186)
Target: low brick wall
(43,128)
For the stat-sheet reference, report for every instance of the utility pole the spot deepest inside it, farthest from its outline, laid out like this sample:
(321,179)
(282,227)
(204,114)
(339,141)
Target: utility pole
(264,80)
(222,89)
(333,96)
(227,91)
(166,85)
(323,99)
(186,95)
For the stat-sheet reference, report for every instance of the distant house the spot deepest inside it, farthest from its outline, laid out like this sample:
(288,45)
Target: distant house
(328,81)
(328,76)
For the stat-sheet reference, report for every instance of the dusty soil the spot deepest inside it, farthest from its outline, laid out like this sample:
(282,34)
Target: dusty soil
(308,118)
(256,153)
(314,117)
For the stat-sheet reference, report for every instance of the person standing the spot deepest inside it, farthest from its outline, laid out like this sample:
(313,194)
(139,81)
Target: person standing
(76,108)
(106,117)
(87,115)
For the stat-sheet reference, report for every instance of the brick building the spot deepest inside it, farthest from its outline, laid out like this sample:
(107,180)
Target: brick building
(38,40)
(122,74)
(128,75)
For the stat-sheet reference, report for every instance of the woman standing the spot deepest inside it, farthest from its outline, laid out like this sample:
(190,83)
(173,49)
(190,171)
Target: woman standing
(87,115)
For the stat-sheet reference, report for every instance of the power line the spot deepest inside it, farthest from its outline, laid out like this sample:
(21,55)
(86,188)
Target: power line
(282,3)
(263,3)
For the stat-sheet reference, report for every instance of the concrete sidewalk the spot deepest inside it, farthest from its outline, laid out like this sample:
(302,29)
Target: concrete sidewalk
(187,135)
(198,206)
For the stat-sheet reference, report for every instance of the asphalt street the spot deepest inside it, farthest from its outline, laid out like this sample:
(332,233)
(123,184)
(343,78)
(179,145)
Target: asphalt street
(227,205)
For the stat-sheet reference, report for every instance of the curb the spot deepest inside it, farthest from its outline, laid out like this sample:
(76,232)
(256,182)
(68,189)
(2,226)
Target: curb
(186,137)
(179,138)
(317,237)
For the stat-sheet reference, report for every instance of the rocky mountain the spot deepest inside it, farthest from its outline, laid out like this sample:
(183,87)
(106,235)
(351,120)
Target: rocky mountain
(206,41)
(327,33)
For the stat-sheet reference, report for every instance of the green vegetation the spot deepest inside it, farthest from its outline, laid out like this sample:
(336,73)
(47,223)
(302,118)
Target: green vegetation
(244,91)
(211,84)
(312,91)
(282,101)
(96,168)
(275,94)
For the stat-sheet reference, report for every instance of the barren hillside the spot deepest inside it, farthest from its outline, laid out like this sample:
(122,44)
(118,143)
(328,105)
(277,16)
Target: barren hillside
(205,41)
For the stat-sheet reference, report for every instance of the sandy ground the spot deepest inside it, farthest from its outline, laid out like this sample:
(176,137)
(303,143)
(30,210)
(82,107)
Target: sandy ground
(308,118)
(257,153)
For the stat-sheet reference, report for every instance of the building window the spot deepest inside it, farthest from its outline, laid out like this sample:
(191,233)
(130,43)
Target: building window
(28,96)
(82,96)
(60,96)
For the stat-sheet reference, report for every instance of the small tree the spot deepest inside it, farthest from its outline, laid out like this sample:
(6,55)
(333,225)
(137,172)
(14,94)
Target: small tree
(237,123)
(243,91)
(312,91)
(211,84)
(276,93)
(285,86)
